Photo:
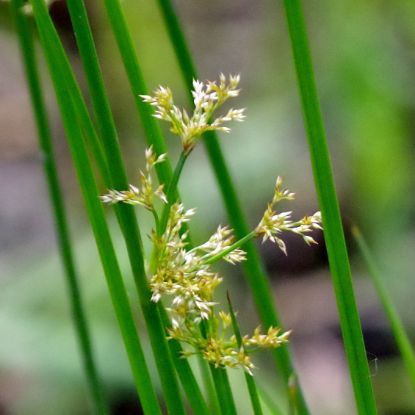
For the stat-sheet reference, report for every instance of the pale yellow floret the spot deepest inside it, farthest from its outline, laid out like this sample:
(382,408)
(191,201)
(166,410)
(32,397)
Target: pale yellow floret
(273,224)
(143,195)
(207,98)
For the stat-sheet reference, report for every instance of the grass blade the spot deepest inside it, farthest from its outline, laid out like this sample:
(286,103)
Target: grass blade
(212,399)
(250,382)
(334,236)
(254,272)
(95,211)
(125,45)
(223,390)
(398,329)
(45,143)
(268,402)
(125,214)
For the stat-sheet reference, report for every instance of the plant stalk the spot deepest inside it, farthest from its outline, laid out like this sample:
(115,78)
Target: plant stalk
(250,381)
(61,223)
(333,229)
(398,329)
(55,59)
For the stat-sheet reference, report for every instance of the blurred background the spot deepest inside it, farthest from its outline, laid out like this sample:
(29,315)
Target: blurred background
(364,56)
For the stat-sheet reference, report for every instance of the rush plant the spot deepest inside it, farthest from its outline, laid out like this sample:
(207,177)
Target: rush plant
(177,284)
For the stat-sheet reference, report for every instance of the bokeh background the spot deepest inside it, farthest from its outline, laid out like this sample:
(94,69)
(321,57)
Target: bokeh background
(364,56)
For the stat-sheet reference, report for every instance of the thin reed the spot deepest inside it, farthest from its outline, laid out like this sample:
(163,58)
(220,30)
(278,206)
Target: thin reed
(333,235)
(27,47)
(399,333)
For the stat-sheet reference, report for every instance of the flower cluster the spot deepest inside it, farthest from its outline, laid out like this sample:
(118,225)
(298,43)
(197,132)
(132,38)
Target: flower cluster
(207,98)
(183,275)
(223,350)
(220,241)
(143,195)
(273,224)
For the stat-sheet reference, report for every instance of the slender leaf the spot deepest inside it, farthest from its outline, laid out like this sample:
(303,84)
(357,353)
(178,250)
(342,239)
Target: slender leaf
(53,52)
(213,402)
(223,390)
(250,382)
(45,143)
(268,402)
(138,87)
(334,236)
(398,329)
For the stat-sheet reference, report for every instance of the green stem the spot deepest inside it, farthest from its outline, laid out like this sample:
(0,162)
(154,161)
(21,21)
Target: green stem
(54,53)
(126,47)
(171,193)
(61,224)
(223,390)
(214,407)
(236,245)
(292,395)
(196,399)
(334,236)
(398,329)
(156,221)
(171,196)
(268,402)
(250,382)
(253,268)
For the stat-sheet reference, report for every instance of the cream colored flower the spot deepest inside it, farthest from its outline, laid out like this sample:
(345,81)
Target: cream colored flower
(207,98)
(143,195)
(273,224)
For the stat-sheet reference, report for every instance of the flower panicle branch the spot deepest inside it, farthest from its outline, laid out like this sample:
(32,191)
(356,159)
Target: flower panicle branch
(220,241)
(145,193)
(273,224)
(207,98)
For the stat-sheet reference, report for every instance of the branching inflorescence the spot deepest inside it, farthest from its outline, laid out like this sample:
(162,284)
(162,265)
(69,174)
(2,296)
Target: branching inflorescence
(182,275)
(207,98)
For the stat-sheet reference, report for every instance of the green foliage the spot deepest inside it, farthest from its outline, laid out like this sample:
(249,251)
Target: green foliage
(190,321)
(45,144)
(334,236)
